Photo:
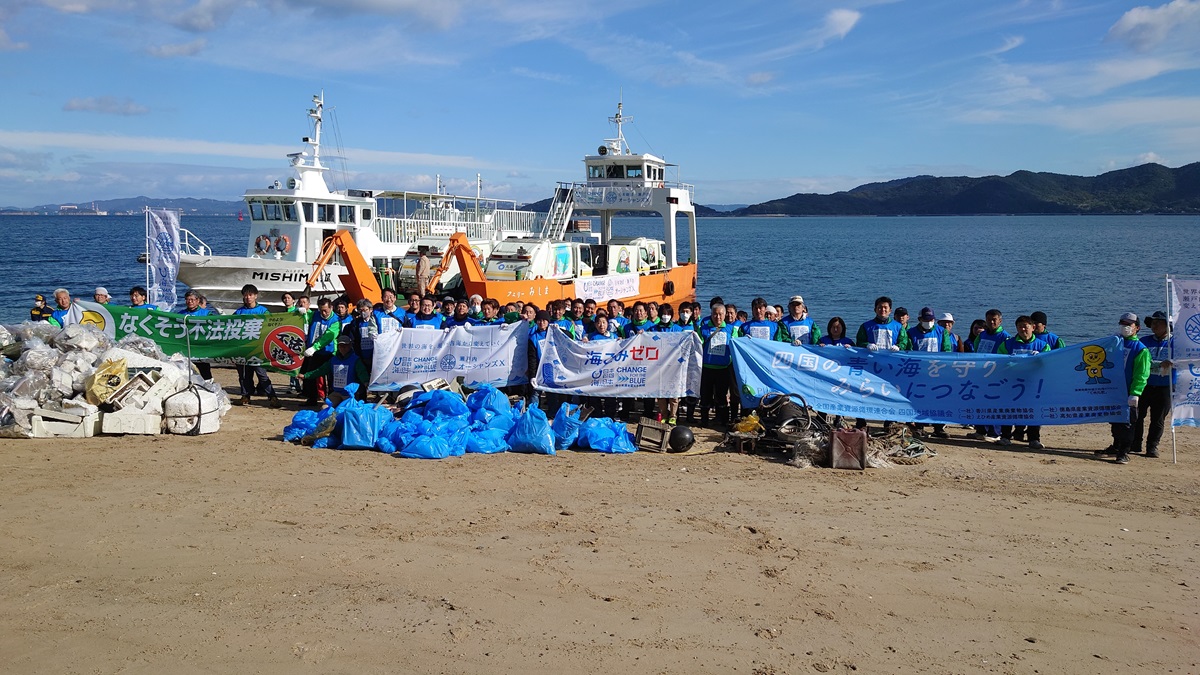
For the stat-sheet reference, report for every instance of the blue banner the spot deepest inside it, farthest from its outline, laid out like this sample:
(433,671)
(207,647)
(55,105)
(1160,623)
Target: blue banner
(1078,384)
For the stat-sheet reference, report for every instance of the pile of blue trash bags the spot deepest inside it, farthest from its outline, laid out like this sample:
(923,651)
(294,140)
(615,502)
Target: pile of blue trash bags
(439,424)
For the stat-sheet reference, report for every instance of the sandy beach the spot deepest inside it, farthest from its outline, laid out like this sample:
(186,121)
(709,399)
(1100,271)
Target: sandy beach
(238,552)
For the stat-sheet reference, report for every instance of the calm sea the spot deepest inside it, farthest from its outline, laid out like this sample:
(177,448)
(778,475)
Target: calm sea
(1083,271)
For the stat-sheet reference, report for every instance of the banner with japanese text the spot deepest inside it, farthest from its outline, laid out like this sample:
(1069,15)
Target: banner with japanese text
(1186,397)
(495,355)
(1078,384)
(647,365)
(162,250)
(274,341)
(1185,315)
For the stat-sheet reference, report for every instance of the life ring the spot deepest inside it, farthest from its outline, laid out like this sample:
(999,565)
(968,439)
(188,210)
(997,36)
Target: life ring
(262,245)
(283,244)
(669,288)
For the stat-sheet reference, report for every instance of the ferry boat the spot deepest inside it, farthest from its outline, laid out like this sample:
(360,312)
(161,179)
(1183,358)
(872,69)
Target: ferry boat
(290,219)
(556,266)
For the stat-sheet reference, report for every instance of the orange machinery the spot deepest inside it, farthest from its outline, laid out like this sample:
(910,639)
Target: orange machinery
(359,280)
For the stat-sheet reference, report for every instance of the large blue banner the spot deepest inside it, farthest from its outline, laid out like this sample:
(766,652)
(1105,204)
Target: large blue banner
(1078,384)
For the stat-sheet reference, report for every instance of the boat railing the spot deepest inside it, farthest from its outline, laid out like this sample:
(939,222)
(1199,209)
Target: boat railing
(599,197)
(190,244)
(500,224)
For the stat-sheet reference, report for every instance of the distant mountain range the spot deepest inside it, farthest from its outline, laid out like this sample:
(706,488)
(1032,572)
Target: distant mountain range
(1149,188)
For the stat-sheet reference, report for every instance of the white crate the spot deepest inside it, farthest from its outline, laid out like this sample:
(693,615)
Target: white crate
(42,427)
(130,422)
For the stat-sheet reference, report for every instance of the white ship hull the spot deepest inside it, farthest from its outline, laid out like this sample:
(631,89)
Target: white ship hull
(221,278)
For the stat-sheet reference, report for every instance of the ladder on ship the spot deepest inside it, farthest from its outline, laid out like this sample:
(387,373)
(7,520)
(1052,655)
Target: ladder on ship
(561,209)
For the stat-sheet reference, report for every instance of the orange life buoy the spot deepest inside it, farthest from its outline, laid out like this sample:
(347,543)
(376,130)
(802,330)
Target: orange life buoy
(262,244)
(283,244)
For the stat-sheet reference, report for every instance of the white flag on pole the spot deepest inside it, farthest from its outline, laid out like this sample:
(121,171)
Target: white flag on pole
(162,247)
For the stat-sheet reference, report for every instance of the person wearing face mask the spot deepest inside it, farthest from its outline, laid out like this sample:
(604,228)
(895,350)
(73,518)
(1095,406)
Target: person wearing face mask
(928,336)
(475,310)
(798,325)
(1155,400)
(1137,373)
(40,311)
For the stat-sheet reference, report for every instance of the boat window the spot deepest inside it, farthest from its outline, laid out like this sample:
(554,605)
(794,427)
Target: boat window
(633,172)
(308,217)
(273,211)
(585,256)
(289,212)
(346,214)
(595,172)
(615,171)
(366,215)
(326,213)
(256,211)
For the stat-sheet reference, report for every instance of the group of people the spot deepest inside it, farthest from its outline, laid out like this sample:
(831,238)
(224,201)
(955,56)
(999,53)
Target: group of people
(42,311)
(339,347)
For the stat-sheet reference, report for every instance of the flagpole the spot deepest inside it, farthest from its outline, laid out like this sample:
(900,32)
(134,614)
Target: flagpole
(1171,372)
(146,212)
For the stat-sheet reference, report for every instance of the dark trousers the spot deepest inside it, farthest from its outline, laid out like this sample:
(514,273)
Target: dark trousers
(1032,434)
(603,406)
(718,388)
(204,369)
(1122,433)
(310,364)
(1154,402)
(246,376)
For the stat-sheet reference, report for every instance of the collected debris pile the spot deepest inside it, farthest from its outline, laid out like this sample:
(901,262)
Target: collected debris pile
(76,383)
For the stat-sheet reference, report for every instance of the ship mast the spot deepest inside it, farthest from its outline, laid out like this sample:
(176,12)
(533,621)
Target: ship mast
(619,143)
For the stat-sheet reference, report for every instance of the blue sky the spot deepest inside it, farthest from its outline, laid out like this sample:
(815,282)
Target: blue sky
(753,100)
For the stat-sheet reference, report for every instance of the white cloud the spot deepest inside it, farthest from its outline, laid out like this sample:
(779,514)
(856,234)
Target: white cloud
(1148,157)
(1147,28)
(176,50)
(107,105)
(1010,43)
(21,160)
(836,25)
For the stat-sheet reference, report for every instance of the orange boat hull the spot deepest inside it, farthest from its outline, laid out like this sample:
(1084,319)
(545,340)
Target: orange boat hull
(680,281)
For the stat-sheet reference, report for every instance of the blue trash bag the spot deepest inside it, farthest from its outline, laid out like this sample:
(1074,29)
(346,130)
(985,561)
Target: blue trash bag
(490,399)
(362,424)
(532,433)
(322,442)
(418,401)
(445,425)
(457,442)
(303,424)
(398,433)
(411,417)
(487,441)
(384,445)
(426,447)
(597,434)
(483,415)
(446,402)
(623,442)
(566,426)
(503,422)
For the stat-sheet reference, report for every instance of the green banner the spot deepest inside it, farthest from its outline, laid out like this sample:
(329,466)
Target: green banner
(274,341)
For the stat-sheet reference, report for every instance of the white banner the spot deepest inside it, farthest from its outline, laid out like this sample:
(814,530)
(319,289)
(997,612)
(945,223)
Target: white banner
(607,287)
(1186,399)
(647,365)
(1185,314)
(162,247)
(496,355)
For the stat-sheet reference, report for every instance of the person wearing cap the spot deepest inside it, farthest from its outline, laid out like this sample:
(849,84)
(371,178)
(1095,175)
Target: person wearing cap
(901,316)
(446,308)
(1024,343)
(461,316)
(101,295)
(1137,373)
(928,336)
(137,298)
(426,318)
(1155,400)
(62,298)
(342,368)
(40,311)
(798,326)
(1039,329)
(946,321)
(247,373)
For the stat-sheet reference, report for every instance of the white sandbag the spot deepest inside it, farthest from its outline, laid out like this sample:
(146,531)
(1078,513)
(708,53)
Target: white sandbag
(181,410)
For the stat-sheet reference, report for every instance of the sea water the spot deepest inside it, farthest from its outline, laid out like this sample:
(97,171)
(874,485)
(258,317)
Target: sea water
(1082,271)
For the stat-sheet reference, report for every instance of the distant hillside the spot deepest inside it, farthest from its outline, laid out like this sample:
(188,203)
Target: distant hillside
(189,206)
(544,206)
(1149,188)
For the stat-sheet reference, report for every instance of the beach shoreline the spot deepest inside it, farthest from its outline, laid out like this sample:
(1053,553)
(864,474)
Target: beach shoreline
(237,551)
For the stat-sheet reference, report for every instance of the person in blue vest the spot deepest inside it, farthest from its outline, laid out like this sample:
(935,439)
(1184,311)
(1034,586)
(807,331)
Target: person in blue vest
(342,368)
(491,314)
(426,318)
(641,322)
(323,330)
(946,321)
(192,308)
(732,315)
(798,326)
(1137,373)
(1039,329)
(977,327)
(538,334)
(363,330)
(1155,400)
(1024,343)
(558,317)
(602,332)
(390,316)
(717,386)
(137,298)
(616,317)
(988,341)
(835,334)
(668,408)
(928,336)
(759,326)
(881,333)
(247,373)
(574,312)
(62,301)
(341,307)
(461,315)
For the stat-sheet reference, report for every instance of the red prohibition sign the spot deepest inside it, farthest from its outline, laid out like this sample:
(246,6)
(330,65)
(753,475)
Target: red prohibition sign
(283,347)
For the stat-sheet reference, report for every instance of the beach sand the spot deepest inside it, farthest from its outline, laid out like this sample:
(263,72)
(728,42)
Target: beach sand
(238,552)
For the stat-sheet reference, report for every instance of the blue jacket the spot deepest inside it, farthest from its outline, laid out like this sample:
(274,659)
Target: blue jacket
(434,320)
(761,330)
(988,342)
(717,344)
(883,334)
(257,309)
(1160,350)
(386,321)
(803,330)
(934,340)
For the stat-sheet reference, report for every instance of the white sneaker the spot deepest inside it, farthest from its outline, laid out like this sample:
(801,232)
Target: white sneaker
(992,439)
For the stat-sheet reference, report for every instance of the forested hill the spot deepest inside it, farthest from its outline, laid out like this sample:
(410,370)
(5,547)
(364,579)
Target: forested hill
(1149,188)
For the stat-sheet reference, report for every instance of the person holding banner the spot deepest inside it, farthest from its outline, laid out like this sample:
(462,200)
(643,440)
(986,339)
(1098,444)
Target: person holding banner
(62,298)
(247,373)
(1137,372)
(717,385)
(390,317)
(799,326)
(668,408)
(1024,343)
(426,317)
(323,330)
(835,334)
(191,307)
(460,317)
(1039,329)
(1155,400)
(342,368)
(137,298)
(491,314)
(881,333)
(928,336)
(607,405)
